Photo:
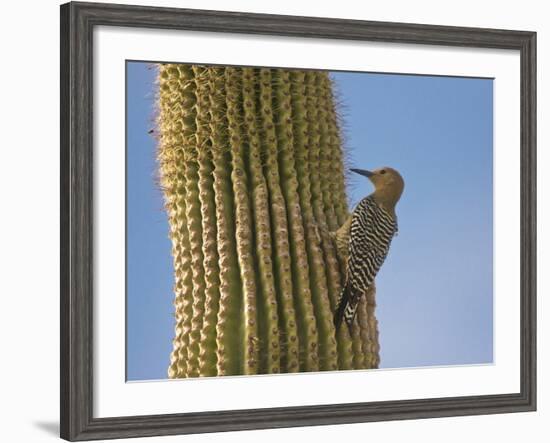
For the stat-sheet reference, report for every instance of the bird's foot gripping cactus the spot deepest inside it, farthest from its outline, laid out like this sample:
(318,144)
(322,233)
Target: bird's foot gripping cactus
(250,160)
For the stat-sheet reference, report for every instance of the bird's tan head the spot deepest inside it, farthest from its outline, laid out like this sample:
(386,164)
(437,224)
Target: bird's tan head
(388,185)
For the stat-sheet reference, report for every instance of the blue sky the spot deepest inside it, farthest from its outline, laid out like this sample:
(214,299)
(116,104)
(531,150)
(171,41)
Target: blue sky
(434,293)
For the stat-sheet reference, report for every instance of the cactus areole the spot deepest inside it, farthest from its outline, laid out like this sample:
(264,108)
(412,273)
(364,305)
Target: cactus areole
(251,166)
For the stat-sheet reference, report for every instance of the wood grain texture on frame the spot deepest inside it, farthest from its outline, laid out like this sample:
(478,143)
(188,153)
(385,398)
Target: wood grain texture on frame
(76,213)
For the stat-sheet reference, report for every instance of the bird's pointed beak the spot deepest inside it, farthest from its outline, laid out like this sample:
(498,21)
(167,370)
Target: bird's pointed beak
(362,172)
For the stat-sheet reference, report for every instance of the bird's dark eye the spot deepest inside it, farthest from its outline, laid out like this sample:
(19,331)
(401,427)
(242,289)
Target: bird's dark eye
(383,171)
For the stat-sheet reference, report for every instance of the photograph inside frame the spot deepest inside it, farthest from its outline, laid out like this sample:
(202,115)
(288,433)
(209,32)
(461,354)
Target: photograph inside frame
(285,220)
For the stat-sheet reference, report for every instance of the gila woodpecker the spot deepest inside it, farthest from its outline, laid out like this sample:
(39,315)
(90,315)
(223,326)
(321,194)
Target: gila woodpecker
(367,235)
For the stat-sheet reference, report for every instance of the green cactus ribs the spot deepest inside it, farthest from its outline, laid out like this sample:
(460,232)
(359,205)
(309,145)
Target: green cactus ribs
(250,164)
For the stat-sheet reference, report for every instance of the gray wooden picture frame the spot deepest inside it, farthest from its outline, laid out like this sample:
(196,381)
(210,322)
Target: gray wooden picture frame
(77,23)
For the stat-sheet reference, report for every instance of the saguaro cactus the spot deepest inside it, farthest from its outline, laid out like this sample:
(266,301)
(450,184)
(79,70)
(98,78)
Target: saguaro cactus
(250,162)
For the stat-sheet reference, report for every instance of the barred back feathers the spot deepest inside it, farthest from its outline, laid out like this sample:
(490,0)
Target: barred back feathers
(370,234)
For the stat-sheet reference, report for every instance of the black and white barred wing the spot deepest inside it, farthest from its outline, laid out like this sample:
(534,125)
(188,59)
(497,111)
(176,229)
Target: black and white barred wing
(372,229)
(371,232)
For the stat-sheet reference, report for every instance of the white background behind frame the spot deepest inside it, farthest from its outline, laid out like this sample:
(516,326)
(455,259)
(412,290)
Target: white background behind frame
(113,397)
(30,308)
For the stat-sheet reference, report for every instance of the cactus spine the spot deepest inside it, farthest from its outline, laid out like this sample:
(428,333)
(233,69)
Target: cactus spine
(250,161)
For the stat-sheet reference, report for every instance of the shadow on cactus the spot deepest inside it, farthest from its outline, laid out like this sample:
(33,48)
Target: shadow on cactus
(251,166)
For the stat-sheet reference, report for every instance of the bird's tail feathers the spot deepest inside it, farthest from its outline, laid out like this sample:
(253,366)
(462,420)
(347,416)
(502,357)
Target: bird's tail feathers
(347,307)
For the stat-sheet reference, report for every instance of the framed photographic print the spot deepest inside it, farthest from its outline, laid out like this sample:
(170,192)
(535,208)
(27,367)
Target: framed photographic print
(272,221)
